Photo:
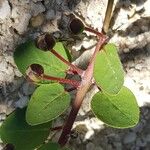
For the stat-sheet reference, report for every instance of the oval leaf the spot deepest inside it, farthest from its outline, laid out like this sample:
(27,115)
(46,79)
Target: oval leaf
(52,146)
(27,54)
(119,110)
(16,131)
(108,71)
(47,102)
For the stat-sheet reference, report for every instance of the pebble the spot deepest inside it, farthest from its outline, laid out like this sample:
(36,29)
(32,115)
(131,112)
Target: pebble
(15,85)
(90,146)
(22,102)
(2,116)
(138,127)
(37,20)
(147,138)
(6,72)
(89,135)
(22,24)
(3,108)
(28,88)
(129,138)
(37,8)
(98,148)
(1,147)
(4,9)
(50,14)
(118,145)
(140,142)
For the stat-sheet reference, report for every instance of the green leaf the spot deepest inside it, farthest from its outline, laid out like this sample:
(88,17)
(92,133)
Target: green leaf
(47,102)
(27,54)
(108,71)
(120,111)
(52,146)
(69,56)
(16,131)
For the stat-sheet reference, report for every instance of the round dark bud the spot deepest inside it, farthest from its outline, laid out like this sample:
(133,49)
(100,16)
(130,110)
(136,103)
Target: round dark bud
(76,26)
(35,72)
(45,42)
(37,69)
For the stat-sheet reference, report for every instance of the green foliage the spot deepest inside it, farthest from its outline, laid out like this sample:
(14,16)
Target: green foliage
(108,71)
(119,111)
(27,54)
(115,105)
(47,102)
(16,131)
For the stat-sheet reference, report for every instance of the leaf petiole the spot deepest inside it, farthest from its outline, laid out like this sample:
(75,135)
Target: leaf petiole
(62,80)
(75,68)
(93,31)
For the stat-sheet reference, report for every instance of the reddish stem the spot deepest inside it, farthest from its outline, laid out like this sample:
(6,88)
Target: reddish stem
(75,68)
(100,43)
(94,31)
(75,108)
(81,92)
(62,80)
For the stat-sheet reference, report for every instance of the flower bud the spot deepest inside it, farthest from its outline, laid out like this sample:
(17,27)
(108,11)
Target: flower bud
(76,26)
(35,72)
(45,42)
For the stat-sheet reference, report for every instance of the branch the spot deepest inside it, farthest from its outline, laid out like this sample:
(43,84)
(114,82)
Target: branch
(108,15)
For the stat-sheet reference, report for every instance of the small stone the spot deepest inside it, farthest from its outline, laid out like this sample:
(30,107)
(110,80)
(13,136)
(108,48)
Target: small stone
(22,24)
(129,138)
(147,138)
(89,135)
(96,124)
(141,88)
(22,102)
(140,142)
(4,9)
(28,88)
(3,108)
(2,116)
(37,8)
(98,148)
(50,14)
(118,145)
(15,85)
(37,20)
(90,146)
(126,50)
(138,66)
(138,127)
(1,147)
